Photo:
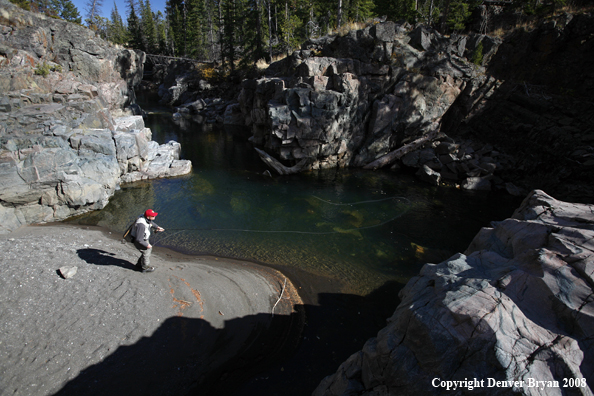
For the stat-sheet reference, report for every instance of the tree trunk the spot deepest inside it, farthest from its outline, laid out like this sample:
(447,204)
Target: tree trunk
(269,33)
(221,31)
(280,168)
(287,32)
(259,49)
(444,18)
(400,152)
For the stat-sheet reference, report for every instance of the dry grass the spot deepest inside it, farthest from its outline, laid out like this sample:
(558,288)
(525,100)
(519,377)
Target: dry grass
(351,25)
(262,64)
(573,8)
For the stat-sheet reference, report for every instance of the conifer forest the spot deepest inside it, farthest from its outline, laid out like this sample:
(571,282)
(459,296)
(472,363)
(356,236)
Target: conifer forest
(239,33)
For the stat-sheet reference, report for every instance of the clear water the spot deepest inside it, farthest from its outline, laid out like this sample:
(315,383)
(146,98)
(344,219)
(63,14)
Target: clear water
(359,228)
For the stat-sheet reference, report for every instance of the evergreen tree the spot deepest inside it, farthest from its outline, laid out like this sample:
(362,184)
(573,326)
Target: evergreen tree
(229,37)
(458,14)
(397,10)
(361,10)
(147,27)
(134,31)
(93,10)
(197,47)
(176,17)
(69,12)
(162,34)
(289,25)
(253,38)
(116,30)
(100,25)
(24,4)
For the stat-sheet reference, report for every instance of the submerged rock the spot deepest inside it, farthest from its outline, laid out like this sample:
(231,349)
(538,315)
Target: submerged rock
(516,307)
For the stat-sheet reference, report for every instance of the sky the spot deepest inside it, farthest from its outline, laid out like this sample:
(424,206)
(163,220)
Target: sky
(81,5)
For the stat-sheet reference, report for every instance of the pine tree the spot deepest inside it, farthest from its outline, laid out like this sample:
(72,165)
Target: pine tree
(253,38)
(69,12)
(229,37)
(458,13)
(116,29)
(134,31)
(361,10)
(162,34)
(197,46)
(147,25)
(176,17)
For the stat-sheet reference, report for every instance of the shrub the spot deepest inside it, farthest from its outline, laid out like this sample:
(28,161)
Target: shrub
(477,56)
(24,4)
(208,73)
(43,69)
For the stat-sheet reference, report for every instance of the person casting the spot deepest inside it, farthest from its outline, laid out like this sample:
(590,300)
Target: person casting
(141,232)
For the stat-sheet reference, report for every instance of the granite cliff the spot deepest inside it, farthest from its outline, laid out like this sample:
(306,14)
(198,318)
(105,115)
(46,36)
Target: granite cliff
(68,136)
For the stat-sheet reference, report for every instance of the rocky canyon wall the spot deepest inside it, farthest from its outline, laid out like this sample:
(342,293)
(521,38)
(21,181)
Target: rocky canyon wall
(66,139)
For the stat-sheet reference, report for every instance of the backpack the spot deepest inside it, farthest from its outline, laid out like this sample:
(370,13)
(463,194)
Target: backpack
(128,237)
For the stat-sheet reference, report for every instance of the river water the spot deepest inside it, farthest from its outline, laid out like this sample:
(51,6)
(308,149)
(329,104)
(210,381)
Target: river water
(359,229)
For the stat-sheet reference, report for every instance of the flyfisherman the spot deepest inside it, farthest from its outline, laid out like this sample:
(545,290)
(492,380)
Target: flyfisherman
(141,232)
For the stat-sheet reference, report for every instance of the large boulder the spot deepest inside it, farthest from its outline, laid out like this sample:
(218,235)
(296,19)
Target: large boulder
(69,171)
(513,314)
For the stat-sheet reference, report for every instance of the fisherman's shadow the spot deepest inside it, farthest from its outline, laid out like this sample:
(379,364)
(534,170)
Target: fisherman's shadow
(101,257)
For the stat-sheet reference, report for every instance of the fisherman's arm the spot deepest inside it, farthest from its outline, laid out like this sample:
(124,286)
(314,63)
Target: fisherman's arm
(156,227)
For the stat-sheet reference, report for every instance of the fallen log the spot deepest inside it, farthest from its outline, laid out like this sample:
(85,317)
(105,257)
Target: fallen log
(400,152)
(280,168)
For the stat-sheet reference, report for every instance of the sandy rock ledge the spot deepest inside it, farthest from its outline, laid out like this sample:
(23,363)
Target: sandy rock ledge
(194,323)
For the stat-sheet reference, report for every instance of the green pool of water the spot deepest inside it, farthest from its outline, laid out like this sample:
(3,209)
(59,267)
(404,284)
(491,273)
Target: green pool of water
(360,228)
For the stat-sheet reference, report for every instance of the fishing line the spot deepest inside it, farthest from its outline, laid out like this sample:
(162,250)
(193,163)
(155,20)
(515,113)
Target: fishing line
(180,230)
(359,202)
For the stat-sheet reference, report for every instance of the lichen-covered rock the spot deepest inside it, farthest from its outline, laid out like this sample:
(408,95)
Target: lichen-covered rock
(516,306)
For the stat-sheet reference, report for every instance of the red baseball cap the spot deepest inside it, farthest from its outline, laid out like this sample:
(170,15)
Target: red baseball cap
(151,213)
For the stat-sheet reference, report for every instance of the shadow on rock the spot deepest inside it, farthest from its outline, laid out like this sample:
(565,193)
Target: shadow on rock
(283,355)
(101,257)
(189,356)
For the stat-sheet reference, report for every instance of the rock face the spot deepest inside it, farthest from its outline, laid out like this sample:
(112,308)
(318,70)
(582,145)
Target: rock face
(347,101)
(29,39)
(184,84)
(69,171)
(517,306)
(537,106)
(62,152)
